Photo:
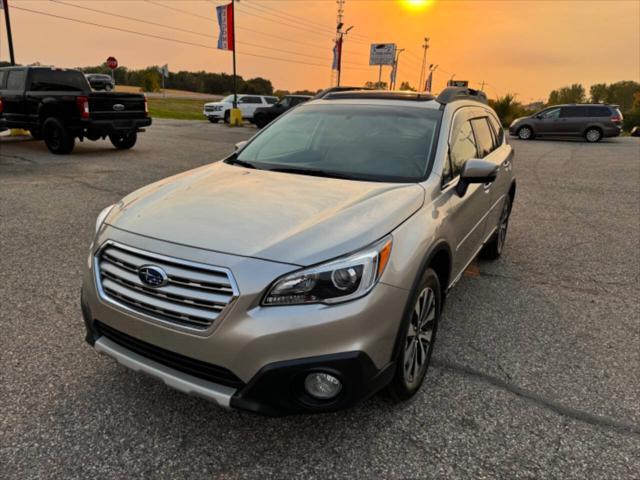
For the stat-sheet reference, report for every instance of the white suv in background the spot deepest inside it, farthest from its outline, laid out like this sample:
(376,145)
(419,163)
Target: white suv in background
(216,111)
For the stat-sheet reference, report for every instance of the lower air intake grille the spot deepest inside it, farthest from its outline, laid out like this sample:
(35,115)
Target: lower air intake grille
(190,366)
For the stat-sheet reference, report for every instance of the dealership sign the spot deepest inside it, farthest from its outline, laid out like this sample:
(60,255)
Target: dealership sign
(382,54)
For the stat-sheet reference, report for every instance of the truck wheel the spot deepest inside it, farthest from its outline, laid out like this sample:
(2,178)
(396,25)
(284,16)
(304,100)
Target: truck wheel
(58,139)
(227,116)
(123,141)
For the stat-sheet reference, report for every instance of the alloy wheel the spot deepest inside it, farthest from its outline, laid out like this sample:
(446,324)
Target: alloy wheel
(524,133)
(419,341)
(593,135)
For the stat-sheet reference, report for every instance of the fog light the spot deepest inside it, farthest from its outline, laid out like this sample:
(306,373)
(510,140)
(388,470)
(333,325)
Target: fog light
(322,385)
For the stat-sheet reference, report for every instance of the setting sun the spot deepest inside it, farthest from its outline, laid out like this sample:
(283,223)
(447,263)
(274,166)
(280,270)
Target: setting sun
(415,4)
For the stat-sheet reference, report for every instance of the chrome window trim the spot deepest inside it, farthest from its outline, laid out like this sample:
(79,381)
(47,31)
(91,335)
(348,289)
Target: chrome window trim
(111,302)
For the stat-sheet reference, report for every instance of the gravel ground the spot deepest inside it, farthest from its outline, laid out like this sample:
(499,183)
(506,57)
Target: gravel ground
(536,371)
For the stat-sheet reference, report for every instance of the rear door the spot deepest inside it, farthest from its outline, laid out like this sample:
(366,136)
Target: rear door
(573,120)
(248,104)
(13,96)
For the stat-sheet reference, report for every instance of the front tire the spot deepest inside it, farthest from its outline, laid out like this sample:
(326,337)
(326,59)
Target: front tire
(494,247)
(227,117)
(57,137)
(593,135)
(525,133)
(418,335)
(123,141)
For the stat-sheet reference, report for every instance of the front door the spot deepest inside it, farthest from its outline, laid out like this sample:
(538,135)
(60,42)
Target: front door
(467,214)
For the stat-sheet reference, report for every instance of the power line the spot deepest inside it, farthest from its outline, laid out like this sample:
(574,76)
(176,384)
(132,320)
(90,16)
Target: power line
(291,52)
(158,37)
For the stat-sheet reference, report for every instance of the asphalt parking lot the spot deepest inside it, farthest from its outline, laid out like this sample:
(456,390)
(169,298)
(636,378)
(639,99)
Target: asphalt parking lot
(536,370)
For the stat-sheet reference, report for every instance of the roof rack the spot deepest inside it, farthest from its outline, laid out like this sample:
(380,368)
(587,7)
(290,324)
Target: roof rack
(450,94)
(380,95)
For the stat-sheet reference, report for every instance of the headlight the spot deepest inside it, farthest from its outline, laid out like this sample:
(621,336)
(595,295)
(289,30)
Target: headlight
(335,281)
(102,216)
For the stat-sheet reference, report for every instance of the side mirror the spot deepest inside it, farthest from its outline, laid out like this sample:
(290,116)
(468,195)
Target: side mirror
(475,171)
(239,145)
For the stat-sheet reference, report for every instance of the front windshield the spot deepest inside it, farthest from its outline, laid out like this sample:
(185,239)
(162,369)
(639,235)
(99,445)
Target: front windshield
(365,142)
(227,99)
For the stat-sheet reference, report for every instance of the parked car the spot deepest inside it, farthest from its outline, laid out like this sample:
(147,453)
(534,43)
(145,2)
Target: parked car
(262,116)
(216,111)
(57,105)
(591,121)
(308,270)
(100,81)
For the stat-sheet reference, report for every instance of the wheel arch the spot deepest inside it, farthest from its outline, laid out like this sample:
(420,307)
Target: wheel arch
(439,257)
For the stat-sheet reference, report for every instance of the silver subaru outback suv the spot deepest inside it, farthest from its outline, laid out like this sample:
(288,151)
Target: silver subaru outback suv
(307,270)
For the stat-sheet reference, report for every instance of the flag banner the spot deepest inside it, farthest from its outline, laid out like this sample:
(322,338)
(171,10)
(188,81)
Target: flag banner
(225,22)
(337,53)
(428,85)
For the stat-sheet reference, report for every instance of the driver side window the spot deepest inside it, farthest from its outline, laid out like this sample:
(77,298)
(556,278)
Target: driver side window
(549,114)
(463,148)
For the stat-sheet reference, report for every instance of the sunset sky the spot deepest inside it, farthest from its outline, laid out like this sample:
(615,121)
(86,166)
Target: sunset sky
(525,47)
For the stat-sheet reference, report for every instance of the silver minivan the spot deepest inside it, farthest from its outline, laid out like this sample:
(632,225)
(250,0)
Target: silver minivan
(308,270)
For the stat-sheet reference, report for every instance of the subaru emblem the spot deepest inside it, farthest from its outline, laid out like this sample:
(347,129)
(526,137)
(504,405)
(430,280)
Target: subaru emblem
(152,276)
(118,107)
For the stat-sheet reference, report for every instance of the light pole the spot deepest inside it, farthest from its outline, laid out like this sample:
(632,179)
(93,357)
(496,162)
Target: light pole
(425,46)
(339,42)
(395,69)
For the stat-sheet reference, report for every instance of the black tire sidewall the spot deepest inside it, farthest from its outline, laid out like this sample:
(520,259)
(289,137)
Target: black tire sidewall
(66,142)
(123,143)
(398,387)
(227,116)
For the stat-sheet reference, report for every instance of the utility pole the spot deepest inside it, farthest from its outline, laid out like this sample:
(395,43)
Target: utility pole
(5,6)
(233,39)
(395,69)
(482,84)
(340,34)
(425,46)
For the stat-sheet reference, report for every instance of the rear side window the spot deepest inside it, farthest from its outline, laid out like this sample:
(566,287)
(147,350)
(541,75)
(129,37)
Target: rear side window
(498,130)
(3,79)
(484,138)
(573,112)
(58,81)
(463,148)
(16,79)
(599,112)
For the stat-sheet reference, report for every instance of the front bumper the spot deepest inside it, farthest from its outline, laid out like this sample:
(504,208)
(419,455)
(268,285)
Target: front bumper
(266,349)
(213,114)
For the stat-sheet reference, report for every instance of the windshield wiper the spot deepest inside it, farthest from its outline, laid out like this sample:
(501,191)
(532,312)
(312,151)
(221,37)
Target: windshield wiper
(313,172)
(233,160)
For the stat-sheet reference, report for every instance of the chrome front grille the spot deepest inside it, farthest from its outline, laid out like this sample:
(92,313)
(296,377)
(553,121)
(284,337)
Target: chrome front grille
(194,297)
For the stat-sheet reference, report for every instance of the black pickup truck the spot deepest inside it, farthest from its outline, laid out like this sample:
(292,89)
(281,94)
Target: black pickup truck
(57,105)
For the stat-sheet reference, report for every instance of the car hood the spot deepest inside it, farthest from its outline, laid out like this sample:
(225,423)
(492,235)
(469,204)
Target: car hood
(282,217)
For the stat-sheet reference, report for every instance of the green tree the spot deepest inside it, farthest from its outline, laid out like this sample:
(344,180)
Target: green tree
(598,92)
(622,94)
(571,94)
(507,108)
(407,86)
(150,81)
